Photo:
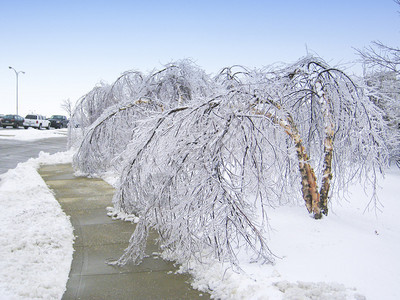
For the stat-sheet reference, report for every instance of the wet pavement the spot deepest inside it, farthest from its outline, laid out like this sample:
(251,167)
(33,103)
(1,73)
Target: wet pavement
(13,151)
(100,239)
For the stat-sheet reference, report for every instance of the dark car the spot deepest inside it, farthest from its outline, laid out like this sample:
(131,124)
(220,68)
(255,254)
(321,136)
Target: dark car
(12,120)
(58,121)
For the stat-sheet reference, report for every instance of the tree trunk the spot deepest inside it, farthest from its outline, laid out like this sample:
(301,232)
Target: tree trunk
(328,149)
(326,178)
(309,185)
(308,178)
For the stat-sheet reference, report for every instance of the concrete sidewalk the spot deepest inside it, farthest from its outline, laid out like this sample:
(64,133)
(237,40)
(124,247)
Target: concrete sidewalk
(100,239)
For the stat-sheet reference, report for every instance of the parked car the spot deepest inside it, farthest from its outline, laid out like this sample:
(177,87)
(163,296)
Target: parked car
(1,118)
(58,121)
(12,120)
(36,121)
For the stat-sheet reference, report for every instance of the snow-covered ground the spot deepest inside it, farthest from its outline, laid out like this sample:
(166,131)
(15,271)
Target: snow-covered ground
(31,134)
(351,254)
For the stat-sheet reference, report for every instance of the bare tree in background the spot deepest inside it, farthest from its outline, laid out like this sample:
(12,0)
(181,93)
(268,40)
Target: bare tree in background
(380,57)
(67,106)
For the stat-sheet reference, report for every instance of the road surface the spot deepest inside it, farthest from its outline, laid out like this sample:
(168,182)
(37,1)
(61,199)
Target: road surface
(13,151)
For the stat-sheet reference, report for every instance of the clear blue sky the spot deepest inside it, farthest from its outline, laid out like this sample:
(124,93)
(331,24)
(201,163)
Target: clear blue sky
(67,47)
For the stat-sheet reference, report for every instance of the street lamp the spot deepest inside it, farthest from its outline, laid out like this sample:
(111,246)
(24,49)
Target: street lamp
(16,74)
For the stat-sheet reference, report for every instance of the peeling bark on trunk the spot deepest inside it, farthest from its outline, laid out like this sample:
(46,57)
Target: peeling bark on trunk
(326,179)
(328,150)
(309,189)
(316,202)
(308,178)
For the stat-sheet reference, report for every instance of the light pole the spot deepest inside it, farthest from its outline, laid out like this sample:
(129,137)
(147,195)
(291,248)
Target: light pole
(16,74)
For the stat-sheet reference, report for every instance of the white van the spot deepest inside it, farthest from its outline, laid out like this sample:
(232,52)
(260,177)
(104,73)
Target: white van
(36,121)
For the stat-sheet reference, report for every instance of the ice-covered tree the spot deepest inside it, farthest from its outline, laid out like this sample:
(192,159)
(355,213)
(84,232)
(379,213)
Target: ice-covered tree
(201,174)
(380,57)
(109,114)
(383,89)
(381,77)
(325,116)
(203,159)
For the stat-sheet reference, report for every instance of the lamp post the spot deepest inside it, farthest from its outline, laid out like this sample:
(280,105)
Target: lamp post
(16,74)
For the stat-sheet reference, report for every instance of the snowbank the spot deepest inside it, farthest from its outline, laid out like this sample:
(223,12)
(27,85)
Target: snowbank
(37,237)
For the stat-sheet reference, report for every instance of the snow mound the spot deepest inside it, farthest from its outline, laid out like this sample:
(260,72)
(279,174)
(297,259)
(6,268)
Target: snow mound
(119,215)
(36,243)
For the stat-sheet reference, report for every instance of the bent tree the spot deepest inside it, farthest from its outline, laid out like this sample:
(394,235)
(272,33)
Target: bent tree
(310,93)
(330,121)
(204,169)
(107,115)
